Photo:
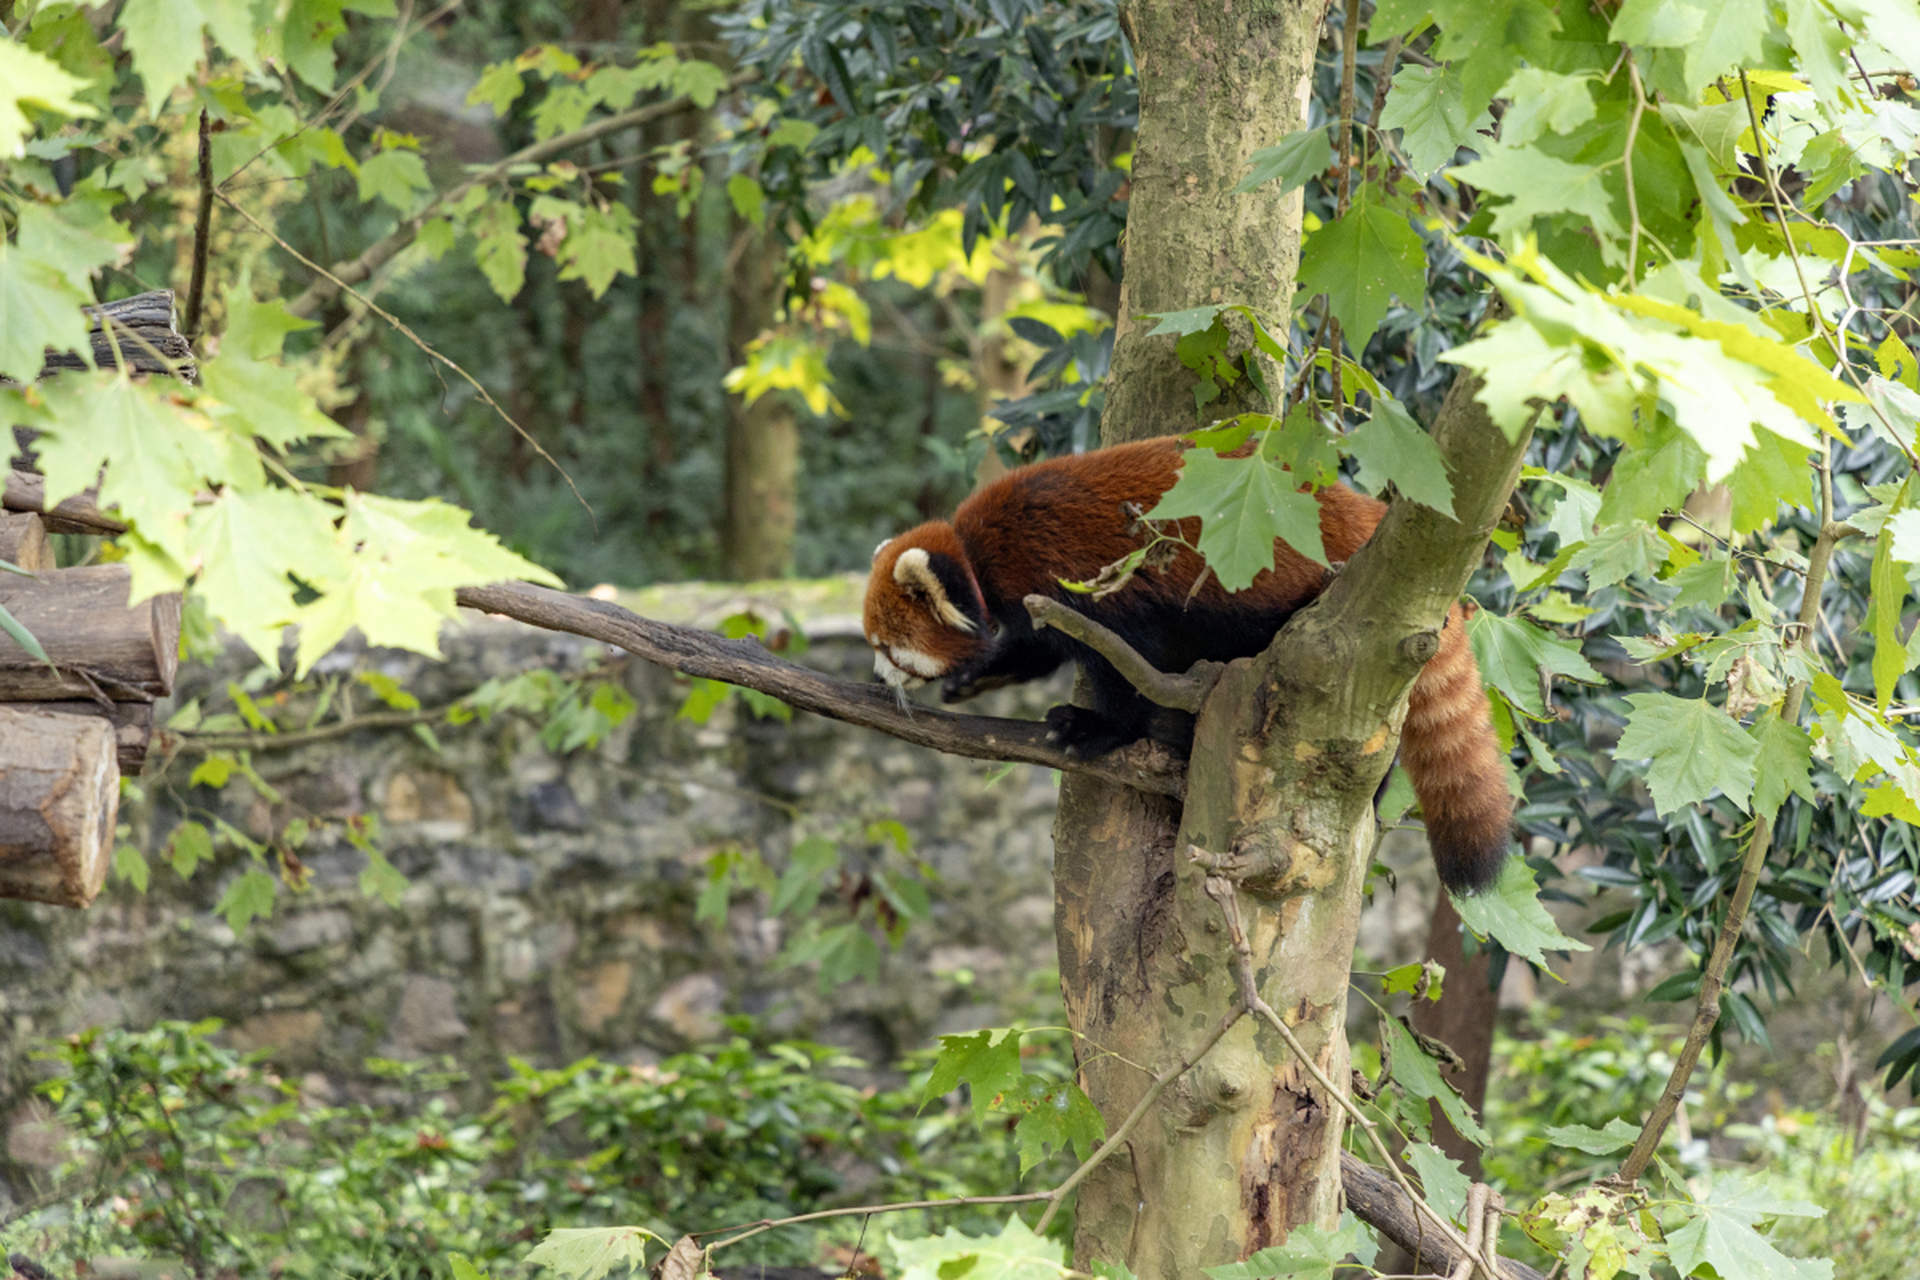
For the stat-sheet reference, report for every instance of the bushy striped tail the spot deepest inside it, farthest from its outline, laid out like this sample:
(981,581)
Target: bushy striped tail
(1457,768)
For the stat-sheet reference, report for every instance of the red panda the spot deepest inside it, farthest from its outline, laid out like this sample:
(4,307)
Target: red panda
(944,603)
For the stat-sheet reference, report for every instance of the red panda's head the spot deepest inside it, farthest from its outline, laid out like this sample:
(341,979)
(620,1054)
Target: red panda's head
(924,615)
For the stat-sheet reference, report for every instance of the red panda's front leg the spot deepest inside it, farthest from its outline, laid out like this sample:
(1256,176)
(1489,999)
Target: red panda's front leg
(1014,656)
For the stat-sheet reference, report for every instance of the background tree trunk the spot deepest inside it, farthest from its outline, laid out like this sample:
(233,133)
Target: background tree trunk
(1143,960)
(763,439)
(1463,1017)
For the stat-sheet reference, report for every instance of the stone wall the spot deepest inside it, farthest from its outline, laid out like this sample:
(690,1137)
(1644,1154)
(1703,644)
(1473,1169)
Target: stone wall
(550,907)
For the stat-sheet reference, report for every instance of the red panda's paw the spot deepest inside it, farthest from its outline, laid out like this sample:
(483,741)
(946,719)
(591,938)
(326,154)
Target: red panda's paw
(962,685)
(1084,734)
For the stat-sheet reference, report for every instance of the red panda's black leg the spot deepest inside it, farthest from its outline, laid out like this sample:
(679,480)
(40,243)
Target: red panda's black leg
(1014,657)
(1118,716)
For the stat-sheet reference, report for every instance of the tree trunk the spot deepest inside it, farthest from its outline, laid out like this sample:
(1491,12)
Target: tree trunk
(1463,1018)
(763,438)
(1241,1150)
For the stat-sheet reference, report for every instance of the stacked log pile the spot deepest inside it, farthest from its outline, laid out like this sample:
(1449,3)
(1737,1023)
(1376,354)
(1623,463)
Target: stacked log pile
(73,723)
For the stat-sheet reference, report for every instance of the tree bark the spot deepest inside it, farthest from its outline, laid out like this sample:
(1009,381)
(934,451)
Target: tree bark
(763,438)
(100,646)
(59,797)
(1217,83)
(1242,1150)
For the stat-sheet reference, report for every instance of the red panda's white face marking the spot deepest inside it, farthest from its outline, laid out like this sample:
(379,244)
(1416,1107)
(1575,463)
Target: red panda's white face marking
(919,630)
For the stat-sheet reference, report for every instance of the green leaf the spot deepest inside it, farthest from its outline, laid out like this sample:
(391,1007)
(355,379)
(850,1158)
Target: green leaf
(39,303)
(749,198)
(1511,652)
(1243,505)
(1615,554)
(1716,128)
(1441,1179)
(29,77)
(1361,260)
(257,328)
(1392,449)
(1722,1235)
(249,896)
(381,879)
(1696,749)
(1653,479)
(1657,24)
(588,1253)
(249,544)
(1184,323)
(500,250)
(1784,764)
(1015,1254)
(1056,1115)
(1510,913)
(1290,162)
(599,246)
(188,846)
(264,399)
(1419,1075)
(142,441)
(1707,584)
(701,81)
(1775,471)
(1429,106)
(800,884)
(164,37)
(1537,184)
(499,86)
(1617,1135)
(1310,1253)
(1889,585)
(131,866)
(407,559)
(1540,102)
(988,1069)
(397,176)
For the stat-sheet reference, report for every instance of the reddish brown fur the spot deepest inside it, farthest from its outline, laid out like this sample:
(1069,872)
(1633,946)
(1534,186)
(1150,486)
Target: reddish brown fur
(1066,519)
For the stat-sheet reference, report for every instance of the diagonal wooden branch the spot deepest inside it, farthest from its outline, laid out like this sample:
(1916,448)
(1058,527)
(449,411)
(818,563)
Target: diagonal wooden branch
(1144,766)
(382,251)
(1182,693)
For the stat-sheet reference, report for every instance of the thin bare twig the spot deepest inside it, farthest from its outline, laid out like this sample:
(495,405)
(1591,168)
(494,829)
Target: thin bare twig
(1180,692)
(374,256)
(748,1229)
(1707,1007)
(401,327)
(202,227)
(1059,1194)
(1349,57)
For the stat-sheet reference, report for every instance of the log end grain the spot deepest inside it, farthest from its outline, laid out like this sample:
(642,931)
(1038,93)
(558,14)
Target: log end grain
(59,800)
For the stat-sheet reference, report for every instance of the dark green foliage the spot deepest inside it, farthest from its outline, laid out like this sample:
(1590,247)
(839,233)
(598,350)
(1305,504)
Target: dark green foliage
(188,1150)
(1050,84)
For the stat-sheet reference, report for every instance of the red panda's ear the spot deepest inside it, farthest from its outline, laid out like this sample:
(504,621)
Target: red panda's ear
(915,571)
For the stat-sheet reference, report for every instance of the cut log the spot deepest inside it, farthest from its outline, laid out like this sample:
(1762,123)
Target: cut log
(59,799)
(23,542)
(27,491)
(132,726)
(99,646)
